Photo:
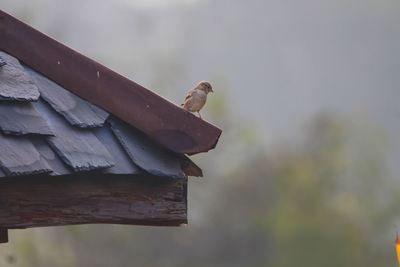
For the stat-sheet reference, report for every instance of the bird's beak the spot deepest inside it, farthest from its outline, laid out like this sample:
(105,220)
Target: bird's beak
(211,91)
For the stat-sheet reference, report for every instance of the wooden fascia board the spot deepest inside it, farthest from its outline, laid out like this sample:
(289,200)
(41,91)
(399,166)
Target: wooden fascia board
(163,121)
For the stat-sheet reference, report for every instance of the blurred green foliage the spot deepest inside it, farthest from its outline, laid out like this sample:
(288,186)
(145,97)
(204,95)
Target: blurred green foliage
(323,212)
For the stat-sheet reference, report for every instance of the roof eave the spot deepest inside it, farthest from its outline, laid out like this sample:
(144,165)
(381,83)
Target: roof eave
(163,121)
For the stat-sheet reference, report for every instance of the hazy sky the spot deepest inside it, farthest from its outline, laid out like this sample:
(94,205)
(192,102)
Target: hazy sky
(157,3)
(279,62)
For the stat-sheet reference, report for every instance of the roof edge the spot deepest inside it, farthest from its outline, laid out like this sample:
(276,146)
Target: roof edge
(163,121)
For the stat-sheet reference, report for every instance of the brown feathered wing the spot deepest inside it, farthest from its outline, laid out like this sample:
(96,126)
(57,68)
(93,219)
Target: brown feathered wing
(189,95)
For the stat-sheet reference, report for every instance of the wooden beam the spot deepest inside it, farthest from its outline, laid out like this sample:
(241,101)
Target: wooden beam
(115,199)
(3,235)
(165,122)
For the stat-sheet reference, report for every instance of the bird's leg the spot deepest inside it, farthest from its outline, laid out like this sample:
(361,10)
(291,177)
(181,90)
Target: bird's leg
(199,114)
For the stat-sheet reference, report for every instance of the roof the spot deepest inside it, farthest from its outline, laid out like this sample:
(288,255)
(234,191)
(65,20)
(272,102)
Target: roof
(162,121)
(46,129)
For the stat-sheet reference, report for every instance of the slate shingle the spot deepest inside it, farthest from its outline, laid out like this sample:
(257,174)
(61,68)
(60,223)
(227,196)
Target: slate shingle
(18,156)
(75,110)
(78,148)
(2,62)
(145,153)
(32,104)
(19,118)
(123,164)
(15,82)
(56,164)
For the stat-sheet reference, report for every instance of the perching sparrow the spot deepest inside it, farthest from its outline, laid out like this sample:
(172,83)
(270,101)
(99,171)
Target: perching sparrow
(197,97)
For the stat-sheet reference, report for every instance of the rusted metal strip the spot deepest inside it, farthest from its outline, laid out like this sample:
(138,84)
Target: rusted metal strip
(163,121)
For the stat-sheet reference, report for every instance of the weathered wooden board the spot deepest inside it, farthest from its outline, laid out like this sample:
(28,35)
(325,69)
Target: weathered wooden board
(75,110)
(22,118)
(144,152)
(15,82)
(119,199)
(79,148)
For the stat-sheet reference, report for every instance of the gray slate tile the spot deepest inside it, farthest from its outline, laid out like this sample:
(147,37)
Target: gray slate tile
(18,156)
(56,164)
(75,110)
(123,164)
(145,153)
(2,62)
(15,82)
(19,118)
(78,148)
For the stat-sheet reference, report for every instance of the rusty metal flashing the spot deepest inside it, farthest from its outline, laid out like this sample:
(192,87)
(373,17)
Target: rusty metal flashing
(163,121)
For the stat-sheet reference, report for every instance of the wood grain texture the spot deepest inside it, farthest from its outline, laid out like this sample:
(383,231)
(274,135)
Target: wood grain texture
(163,121)
(35,201)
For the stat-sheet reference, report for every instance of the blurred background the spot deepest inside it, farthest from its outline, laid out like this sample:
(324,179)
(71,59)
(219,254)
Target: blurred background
(306,92)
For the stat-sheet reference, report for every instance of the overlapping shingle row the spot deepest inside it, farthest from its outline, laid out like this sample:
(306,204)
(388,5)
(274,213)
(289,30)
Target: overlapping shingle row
(47,129)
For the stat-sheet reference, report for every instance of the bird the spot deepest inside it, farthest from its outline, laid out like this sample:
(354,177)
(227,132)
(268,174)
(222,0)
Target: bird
(197,97)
